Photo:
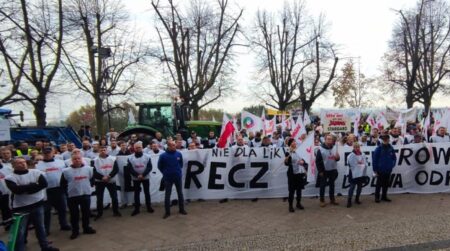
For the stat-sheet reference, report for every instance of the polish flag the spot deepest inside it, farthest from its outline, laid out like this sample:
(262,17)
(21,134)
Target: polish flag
(227,134)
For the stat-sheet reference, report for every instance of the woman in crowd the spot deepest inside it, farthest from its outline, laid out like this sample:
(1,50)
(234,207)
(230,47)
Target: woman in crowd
(296,174)
(357,163)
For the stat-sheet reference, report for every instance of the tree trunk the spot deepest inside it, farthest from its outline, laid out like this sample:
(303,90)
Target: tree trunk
(99,116)
(409,98)
(39,111)
(426,103)
(195,112)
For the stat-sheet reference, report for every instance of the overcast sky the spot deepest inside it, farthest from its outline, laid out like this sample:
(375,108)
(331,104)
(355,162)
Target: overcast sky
(360,28)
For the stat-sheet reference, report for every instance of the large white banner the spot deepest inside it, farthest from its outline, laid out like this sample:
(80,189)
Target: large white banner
(261,173)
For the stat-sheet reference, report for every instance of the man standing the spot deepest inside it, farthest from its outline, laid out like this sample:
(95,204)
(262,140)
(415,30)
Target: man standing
(113,149)
(87,151)
(326,160)
(105,170)
(441,136)
(140,166)
(53,168)
(28,189)
(383,161)
(170,164)
(68,154)
(76,180)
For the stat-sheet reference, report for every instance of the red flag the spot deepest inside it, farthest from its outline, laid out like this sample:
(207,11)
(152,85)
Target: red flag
(229,129)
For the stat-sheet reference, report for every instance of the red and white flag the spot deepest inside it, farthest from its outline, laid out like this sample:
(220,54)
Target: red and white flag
(356,120)
(306,118)
(425,125)
(306,151)
(371,120)
(382,121)
(226,135)
(269,126)
(298,129)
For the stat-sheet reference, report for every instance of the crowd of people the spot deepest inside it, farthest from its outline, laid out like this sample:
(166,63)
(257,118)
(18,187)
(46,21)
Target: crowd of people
(35,180)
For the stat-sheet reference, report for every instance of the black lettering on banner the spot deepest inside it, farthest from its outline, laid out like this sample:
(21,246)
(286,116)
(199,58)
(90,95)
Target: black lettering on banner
(447,178)
(418,177)
(396,180)
(213,175)
(437,155)
(226,152)
(405,153)
(276,153)
(264,168)
(238,152)
(215,152)
(427,155)
(192,175)
(346,184)
(252,152)
(434,182)
(231,179)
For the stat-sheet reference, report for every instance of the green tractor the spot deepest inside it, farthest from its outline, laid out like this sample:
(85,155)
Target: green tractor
(169,119)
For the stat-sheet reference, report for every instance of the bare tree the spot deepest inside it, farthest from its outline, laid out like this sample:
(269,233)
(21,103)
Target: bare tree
(30,43)
(101,58)
(196,46)
(418,57)
(291,50)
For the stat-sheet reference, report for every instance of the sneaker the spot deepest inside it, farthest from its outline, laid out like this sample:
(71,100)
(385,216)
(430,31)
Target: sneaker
(386,199)
(74,235)
(255,200)
(135,212)
(377,200)
(89,230)
(97,217)
(150,210)
(166,215)
(65,228)
(323,204)
(117,214)
(291,209)
(183,212)
(358,202)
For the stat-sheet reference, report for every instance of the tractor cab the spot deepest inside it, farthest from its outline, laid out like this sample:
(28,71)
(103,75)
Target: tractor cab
(165,117)
(158,116)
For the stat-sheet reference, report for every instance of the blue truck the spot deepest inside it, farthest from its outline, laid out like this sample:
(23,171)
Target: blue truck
(54,134)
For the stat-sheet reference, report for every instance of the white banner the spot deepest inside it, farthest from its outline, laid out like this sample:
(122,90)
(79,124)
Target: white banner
(261,173)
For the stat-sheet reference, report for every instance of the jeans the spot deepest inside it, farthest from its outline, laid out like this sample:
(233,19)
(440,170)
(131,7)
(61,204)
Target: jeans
(100,191)
(137,192)
(357,182)
(382,184)
(328,178)
(57,199)
(76,203)
(36,216)
(168,184)
(4,207)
